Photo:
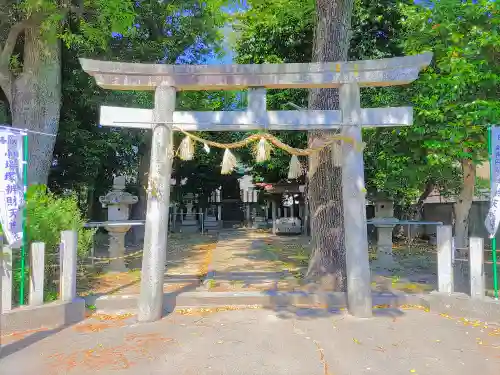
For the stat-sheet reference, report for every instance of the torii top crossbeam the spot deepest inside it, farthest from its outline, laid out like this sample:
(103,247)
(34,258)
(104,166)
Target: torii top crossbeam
(367,73)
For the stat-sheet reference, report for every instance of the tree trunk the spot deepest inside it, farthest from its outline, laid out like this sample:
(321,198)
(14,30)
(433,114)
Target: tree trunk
(464,202)
(36,101)
(416,212)
(324,188)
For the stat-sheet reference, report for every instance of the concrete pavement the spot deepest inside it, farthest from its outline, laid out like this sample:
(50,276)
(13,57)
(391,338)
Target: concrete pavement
(252,340)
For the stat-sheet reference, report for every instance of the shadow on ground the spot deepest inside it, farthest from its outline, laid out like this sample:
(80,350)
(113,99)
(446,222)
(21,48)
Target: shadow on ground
(181,252)
(21,340)
(303,305)
(33,338)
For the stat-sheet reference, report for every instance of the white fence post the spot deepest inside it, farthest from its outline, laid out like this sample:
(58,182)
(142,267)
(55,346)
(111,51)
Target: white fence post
(37,274)
(444,259)
(68,247)
(6,275)
(476,264)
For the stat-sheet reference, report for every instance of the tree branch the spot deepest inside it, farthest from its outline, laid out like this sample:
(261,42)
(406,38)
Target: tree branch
(10,42)
(6,76)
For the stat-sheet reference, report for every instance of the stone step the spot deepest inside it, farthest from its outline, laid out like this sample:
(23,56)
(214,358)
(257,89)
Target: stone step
(274,299)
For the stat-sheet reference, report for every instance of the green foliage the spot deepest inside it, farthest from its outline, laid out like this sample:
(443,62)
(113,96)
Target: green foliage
(453,100)
(48,215)
(97,19)
(282,32)
(457,96)
(88,156)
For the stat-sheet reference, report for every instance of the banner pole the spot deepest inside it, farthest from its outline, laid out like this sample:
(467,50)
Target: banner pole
(493,239)
(24,219)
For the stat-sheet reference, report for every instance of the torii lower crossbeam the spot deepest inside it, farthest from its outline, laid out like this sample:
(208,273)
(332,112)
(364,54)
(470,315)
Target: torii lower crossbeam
(247,121)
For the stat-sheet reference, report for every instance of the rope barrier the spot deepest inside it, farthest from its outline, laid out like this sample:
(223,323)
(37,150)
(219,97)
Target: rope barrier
(136,253)
(262,150)
(274,140)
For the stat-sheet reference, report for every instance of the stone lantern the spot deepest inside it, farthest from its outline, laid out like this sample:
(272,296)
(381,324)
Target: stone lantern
(189,222)
(384,222)
(118,203)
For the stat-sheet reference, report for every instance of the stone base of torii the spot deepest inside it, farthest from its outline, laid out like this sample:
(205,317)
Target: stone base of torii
(165,80)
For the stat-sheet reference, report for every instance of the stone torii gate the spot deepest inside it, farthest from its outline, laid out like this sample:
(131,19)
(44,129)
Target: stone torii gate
(165,80)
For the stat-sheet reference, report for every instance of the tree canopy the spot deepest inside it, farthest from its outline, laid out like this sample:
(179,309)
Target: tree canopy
(453,100)
(143,30)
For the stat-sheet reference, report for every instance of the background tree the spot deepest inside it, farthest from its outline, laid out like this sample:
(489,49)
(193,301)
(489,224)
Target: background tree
(87,156)
(30,61)
(457,96)
(453,100)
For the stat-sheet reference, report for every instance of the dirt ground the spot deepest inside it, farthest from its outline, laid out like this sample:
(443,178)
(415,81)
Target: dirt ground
(249,260)
(188,259)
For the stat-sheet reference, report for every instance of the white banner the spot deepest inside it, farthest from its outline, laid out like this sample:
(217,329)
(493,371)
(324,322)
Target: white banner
(493,218)
(11,185)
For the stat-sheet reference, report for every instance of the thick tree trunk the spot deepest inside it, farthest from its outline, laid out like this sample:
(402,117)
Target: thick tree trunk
(462,207)
(36,101)
(324,192)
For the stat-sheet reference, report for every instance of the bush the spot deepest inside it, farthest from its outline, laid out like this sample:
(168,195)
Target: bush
(47,216)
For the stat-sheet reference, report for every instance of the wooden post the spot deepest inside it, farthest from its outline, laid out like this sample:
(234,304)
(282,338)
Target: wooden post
(68,251)
(37,273)
(174,216)
(476,263)
(6,275)
(156,237)
(273,215)
(302,218)
(307,220)
(247,215)
(444,259)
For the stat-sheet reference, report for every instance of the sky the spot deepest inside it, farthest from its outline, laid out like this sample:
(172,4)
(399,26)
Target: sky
(237,5)
(211,59)
(229,54)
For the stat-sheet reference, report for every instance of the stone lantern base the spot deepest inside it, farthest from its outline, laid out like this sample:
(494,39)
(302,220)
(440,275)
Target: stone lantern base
(385,259)
(117,248)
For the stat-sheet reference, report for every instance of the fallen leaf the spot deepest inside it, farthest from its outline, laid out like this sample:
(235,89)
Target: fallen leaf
(356,341)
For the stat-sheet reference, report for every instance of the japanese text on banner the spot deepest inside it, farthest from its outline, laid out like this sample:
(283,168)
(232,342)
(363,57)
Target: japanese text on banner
(11,185)
(493,218)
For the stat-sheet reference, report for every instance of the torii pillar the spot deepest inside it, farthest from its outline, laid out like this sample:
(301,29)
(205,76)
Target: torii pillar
(348,77)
